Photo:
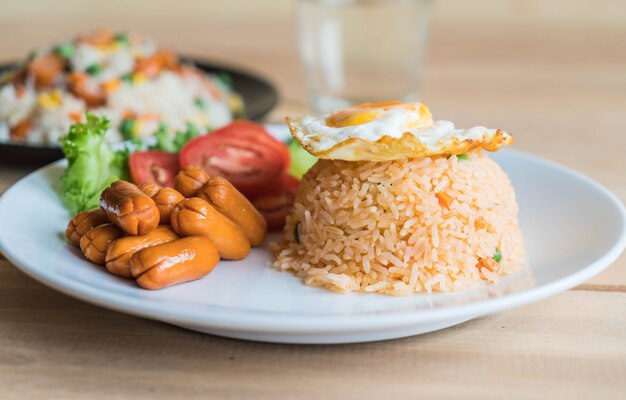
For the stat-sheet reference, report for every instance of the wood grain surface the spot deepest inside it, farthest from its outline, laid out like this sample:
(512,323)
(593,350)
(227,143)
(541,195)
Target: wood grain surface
(553,73)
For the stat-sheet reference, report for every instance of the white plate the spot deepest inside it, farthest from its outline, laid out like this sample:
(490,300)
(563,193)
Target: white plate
(573,229)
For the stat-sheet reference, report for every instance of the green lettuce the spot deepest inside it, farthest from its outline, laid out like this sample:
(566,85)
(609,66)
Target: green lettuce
(301,160)
(173,144)
(93,164)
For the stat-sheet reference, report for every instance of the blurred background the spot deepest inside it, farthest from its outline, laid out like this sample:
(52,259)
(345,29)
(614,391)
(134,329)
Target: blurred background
(552,72)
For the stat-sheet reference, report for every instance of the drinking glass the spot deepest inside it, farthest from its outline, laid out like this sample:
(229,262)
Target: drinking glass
(357,51)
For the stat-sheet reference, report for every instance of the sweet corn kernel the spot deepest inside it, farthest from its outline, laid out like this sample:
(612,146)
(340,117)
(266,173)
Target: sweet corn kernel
(50,99)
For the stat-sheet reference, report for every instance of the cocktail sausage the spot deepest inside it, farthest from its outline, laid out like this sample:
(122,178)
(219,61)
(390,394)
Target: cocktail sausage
(190,180)
(120,251)
(196,217)
(95,242)
(83,222)
(164,197)
(230,202)
(175,262)
(130,208)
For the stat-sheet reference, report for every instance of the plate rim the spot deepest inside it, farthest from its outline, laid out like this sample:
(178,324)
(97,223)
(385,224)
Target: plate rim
(284,322)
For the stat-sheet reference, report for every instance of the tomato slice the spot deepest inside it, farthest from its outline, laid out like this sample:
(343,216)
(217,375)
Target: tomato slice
(277,205)
(153,166)
(257,133)
(253,167)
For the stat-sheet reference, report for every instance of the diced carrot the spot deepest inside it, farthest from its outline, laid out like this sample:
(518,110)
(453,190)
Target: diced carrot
(445,200)
(111,85)
(488,263)
(149,117)
(480,223)
(128,113)
(75,116)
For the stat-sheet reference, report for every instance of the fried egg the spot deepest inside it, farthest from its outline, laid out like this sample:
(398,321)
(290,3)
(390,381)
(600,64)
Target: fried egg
(389,131)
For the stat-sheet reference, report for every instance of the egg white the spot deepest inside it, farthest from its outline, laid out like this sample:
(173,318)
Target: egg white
(387,138)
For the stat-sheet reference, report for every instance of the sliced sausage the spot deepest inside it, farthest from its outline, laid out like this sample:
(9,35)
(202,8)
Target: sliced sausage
(164,197)
(196,217)
(100,37)
(167,264)
(190,180)
(21,129)
(46,68)
(161,60)
(83,222)
(95,242)
(121,250)
(81,86)
(130,208)
(230,202)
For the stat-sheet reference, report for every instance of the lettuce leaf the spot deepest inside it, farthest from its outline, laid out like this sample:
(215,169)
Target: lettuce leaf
(301,160)
(93,164)
(173,144)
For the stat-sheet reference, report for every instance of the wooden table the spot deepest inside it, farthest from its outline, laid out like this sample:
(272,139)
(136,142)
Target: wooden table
(557,83)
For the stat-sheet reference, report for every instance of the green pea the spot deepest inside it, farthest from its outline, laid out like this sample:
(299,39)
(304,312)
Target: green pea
(225,79)
(122,38)
(497,256)
(94,69)
(126,127)
(200,103)
(462,157)
(128,78)
(66,50)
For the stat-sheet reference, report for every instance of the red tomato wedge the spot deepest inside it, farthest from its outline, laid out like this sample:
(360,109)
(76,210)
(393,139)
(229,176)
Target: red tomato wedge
(255,133)
(253,167)
(153,166)
(276,206)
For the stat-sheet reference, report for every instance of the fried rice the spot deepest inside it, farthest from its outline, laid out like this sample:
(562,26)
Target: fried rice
(124,76)
(430,224)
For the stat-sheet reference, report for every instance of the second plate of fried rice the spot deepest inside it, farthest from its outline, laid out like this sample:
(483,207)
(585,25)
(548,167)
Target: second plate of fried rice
(140,87)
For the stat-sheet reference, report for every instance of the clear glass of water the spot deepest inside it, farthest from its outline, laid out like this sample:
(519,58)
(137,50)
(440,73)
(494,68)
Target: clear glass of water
(358,51)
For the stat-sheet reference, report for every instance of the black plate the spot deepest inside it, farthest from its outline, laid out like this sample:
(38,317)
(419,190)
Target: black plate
(259,96)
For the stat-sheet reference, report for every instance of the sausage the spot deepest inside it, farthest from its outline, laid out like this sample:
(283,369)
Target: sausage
(83,222)
(94,96)
(160,60)
(167,264)
(164,197)
(46,69)
(130,208)
(120,251)
(150,189)
(230,202)
(21,129)
(95,242)
(196,217)
(101,37)
(189,180)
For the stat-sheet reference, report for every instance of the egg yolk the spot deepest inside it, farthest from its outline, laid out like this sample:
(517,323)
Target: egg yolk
(358,115)
(368,112)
